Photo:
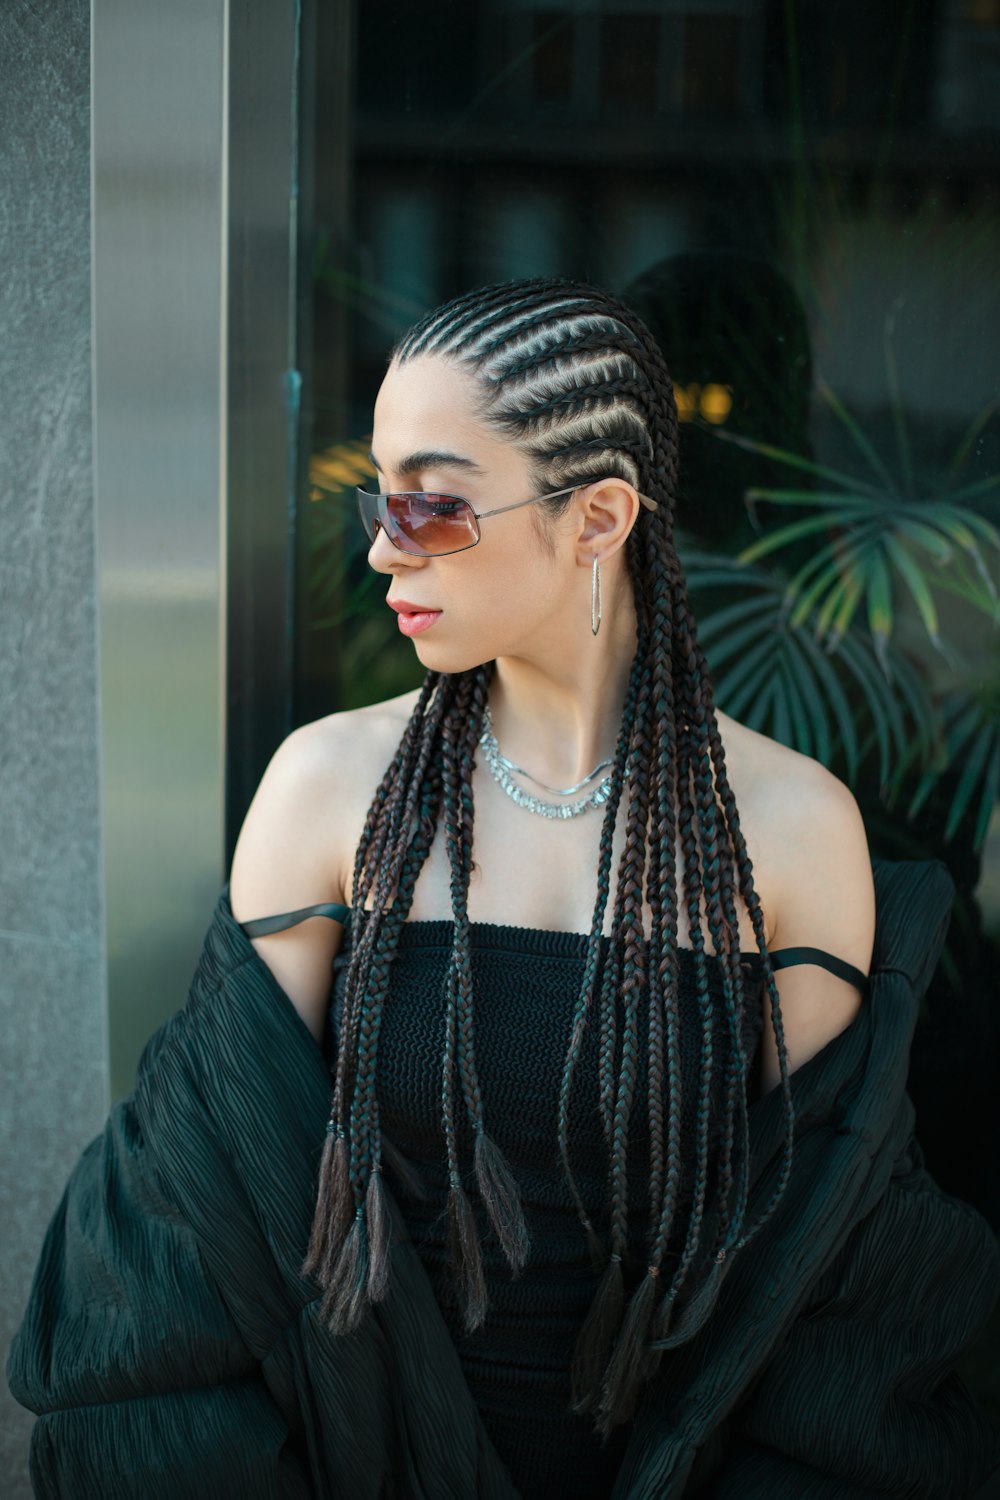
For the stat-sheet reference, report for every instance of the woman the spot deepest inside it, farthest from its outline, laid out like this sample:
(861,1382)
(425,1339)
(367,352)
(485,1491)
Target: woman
(555,1022)
(561,892)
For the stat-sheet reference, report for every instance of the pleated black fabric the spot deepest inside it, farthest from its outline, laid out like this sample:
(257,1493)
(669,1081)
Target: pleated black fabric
(825,1370)
(171,1347)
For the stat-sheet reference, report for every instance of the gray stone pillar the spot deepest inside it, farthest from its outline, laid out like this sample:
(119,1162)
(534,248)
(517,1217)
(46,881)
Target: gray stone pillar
(53,1014)
(115,410)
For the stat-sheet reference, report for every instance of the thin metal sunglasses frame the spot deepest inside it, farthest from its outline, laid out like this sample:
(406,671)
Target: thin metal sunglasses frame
(382,511)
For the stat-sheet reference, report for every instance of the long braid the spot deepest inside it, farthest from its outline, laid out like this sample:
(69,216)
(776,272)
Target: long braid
(337,1252)
(664,967)
(633,988)
(496,1183)
(464,1239)
(627,957)
(648,559)
(693,886)
(378,876)
(584,1004)
(572,377)
(735,1101)
(361,1272)
(331,1219)
(700,862)
(631,1360)
(749,894)
(381,829)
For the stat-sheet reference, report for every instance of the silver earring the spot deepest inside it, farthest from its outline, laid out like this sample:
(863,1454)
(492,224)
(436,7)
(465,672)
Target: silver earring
(595,596)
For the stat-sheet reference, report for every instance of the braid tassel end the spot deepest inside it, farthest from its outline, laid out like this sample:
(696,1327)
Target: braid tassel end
(465,1256)
(671,1328)
(377,1219)
(344,1301)
(502,1199)
(631,1362)
(595,1338)
(332,1215)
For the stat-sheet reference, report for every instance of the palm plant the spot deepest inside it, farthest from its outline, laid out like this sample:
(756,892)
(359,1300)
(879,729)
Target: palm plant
(790,653)
(774,674)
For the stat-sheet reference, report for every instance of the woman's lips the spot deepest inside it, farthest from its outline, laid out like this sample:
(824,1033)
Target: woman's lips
(411,619)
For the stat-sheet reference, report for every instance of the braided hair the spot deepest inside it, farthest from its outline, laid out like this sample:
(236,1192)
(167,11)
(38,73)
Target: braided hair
(572,377)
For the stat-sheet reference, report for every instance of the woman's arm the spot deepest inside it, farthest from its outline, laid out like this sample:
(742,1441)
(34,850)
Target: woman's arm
(290,854)
(823,897)
(297,844)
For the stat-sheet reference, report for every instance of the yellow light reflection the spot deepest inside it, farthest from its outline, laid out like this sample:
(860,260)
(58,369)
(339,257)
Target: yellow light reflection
(716,403)
(687,397)
(712,402)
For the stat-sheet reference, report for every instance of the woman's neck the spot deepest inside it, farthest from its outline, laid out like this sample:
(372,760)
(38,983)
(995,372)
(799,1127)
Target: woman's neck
(558,712)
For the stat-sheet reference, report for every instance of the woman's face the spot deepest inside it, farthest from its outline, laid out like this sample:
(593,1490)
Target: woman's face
(508,595)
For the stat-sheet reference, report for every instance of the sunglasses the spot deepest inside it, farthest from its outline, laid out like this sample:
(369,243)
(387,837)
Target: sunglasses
(434,525)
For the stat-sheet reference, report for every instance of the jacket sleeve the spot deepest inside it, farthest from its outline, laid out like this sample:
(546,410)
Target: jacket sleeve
(826,1369)
(142,1383)
(172,1346)
(861,1398)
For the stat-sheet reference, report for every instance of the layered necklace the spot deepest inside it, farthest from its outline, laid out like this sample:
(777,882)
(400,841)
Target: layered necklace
(501,769)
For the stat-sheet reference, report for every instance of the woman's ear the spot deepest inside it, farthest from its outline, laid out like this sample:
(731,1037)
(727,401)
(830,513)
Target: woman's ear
(607,511)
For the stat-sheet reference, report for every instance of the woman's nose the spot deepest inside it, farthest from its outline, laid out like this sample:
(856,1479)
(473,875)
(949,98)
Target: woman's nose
(385,558)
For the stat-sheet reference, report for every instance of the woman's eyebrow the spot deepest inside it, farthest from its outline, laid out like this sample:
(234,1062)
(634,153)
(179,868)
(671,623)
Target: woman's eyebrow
(431,458)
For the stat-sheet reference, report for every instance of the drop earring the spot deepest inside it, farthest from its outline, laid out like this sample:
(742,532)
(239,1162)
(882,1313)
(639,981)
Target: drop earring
(595,597)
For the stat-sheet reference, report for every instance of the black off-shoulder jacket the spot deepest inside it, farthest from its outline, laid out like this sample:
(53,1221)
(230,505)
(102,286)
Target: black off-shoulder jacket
(171,1347)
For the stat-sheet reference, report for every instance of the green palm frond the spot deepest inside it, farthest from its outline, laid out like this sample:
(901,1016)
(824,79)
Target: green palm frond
(850,483)
(971,739)
(888,534)
(775,676)
(879,542)
(969,580)
(869,554)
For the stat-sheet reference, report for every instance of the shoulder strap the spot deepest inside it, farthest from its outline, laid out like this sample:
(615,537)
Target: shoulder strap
(784,958)
(264,926)
(781,958)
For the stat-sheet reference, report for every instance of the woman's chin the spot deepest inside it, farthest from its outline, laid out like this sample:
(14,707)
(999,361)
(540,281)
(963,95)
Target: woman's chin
(437,657)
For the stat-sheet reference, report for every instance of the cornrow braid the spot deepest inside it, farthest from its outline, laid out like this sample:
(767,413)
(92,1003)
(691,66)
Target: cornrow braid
(570,376)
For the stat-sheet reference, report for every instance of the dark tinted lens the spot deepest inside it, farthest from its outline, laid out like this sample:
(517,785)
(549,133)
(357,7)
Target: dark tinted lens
(429,524)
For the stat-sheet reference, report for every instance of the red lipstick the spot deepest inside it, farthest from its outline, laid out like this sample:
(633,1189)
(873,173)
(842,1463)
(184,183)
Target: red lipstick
(413,619)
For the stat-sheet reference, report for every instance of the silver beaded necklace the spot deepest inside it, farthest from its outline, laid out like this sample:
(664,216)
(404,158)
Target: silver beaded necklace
(501,768)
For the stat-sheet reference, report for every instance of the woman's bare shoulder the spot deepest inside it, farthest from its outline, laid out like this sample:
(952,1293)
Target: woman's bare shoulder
(346,744)
(808,843)
(296,846)
(784,787)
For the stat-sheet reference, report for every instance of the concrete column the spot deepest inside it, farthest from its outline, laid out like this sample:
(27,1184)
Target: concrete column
(53,1011)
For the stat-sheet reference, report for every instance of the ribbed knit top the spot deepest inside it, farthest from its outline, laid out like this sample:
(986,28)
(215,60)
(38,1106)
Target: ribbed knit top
(526,983)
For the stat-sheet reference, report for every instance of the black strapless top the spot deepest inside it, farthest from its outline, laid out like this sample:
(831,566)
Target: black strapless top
(526,982)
